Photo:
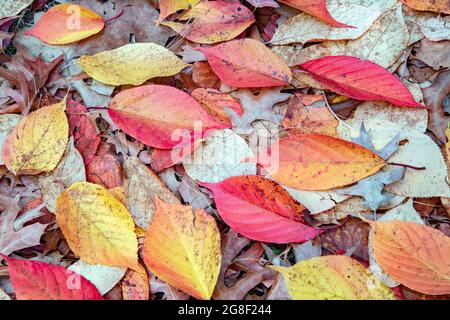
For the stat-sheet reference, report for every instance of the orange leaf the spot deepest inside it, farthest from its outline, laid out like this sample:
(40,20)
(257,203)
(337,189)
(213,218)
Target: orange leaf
(182,248)
(313,118)
(67,23)
(441,6)
(247,63)
(415,255)
(319,162)
(213,21)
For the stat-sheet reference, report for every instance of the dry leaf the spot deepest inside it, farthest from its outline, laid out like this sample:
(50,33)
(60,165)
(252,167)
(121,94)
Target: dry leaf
(142,187)
(69,170)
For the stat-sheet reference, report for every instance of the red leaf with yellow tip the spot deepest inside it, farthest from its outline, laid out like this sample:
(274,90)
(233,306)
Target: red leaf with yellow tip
(415,255)
(359,79)
(182,248)
(161,116)
(35,280)
(318,162)
(213,21)
(260,209)
(67,23)
(316,8)
(247,63)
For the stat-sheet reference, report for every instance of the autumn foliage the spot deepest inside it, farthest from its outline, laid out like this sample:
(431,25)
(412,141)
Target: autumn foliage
(230,149)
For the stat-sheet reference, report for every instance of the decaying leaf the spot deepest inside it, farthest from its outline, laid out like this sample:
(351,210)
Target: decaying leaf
(167,7)
(221,156)
(142,187)
(182,247)
(9,8)
(69,170)
(442,6)
(38,142)
(131,64)
(12,240)
(360,14)
(135,285)
(97,227)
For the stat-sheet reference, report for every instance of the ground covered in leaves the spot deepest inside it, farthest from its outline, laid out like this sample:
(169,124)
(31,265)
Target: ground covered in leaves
(253,149)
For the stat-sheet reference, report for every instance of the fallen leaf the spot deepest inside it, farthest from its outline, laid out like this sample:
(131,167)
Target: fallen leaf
(83,130)
(135,286)
(441,6)
(104,278)
(309,118)
(192,237)
(23,154)
(7,123)
(204,76)
(29,75)
(353,237)
(155,115)
(141,187)
(333,278)
(216,104)
(9,8)
(67,23)
(34,280)
(221,156)
(425,255)
(4,296)
(260,209)
(69,170)
(359,14)
(247,63)
(256,107)
(12,240)
(434,54)
(131,64)
(434,96)
(318,162)
(97,227)
(104,169)
(358,79)
(213,21)
(167,7)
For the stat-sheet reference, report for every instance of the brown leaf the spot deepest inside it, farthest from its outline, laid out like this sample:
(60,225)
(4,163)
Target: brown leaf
(105,169)
(29,76)
(434,97)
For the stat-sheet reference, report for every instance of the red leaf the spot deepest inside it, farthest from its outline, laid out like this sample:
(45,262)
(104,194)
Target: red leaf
(160,116)
(34,280)
(260,209)
(104,169)
(316,8)
(81,127)
(247,63)
(358,79)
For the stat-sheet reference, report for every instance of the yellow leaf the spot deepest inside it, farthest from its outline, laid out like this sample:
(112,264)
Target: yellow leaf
(97,226)
(333,278)
(167,7)
(132,64)
(182,248)
(38,142)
